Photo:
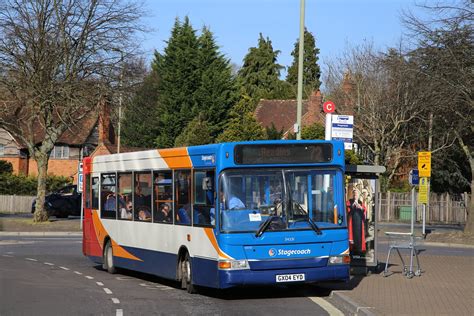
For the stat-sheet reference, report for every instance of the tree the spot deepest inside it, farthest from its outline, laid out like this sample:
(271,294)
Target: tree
(216,93)
(444,54)
(259,76)
(311,69)
(58,59)
(384,96)
(179,79)
(313,131)
(140,125)
(242,124)
(197,132)
(273,133)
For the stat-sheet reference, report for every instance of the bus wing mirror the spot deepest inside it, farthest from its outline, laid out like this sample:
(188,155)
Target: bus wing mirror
(207,184)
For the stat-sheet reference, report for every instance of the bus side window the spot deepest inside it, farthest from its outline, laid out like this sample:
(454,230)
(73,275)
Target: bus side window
(163,197)
(124,196)
(108,192)
(142,196)
(95,193)
(182,180)
(203,205)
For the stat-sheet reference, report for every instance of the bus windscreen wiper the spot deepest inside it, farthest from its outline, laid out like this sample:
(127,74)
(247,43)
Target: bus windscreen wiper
(265,225)
(310,220)
(314,226)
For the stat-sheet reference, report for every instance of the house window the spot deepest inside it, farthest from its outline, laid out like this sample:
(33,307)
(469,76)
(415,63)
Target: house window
(2,150)
(60,152)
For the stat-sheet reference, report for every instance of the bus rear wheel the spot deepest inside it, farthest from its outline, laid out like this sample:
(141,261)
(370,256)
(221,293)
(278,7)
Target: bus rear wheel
(108,258)
(186,275)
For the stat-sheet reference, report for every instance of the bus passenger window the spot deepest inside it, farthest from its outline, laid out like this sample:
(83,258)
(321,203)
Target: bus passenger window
(142,196)
(124,200)
(108,196)
(203,206)
(163,195)
(95,193)
(182,179)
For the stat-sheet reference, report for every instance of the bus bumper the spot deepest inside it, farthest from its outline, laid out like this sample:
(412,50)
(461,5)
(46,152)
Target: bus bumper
(268,277)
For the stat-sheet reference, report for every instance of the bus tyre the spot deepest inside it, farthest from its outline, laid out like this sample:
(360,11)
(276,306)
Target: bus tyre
(186,275)
(108,260)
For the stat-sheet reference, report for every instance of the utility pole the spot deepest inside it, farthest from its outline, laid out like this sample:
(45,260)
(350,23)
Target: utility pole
(300,71)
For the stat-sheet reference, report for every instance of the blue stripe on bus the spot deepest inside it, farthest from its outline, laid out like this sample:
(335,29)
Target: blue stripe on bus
(249,277)
(286,264)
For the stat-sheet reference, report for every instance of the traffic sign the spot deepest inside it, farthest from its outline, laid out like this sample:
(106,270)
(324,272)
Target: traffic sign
(79,178)
(423,191)
(329,107)
(342,129)
(413,177)
(424,163)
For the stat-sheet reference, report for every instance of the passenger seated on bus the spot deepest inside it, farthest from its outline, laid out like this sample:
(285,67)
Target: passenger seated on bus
(144,214)
(126,212)
(164,214)
(183,216)
(110,202)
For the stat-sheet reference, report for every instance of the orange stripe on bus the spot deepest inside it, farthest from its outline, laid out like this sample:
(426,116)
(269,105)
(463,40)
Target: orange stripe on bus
(212,239)
(101,233)
(176,157)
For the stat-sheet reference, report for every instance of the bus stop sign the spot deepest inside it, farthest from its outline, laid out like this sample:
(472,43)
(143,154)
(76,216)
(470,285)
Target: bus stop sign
(413,177)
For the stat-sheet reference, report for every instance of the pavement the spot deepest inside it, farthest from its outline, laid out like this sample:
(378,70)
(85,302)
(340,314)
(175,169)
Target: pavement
(445,286)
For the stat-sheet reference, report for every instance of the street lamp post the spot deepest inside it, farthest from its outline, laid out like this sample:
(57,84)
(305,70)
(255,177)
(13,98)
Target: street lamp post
(300,71)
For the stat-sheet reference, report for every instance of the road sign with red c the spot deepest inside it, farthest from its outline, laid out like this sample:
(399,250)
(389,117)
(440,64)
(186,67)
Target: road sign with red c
(329,107)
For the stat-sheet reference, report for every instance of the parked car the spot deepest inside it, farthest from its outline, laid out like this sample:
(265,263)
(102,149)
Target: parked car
(62,203)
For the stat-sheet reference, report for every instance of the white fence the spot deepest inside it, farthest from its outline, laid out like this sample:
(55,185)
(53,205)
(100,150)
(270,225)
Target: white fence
(15,204)
(443,208)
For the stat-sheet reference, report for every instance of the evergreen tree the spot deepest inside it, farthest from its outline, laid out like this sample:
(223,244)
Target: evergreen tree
(273,133)
(198,132)
(311,70)
(259,76)
(141,116)
(242,124)
(313,131)
(179,79)
(216,93)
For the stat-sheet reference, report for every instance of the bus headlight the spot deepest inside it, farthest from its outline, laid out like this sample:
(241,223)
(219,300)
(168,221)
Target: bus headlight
(233,265)
(343,259)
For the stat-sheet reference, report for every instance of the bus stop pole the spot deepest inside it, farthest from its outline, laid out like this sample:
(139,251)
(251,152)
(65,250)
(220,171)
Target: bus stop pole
(413,210)
(424,219)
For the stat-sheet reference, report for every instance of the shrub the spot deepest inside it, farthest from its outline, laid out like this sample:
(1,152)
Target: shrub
(11,184)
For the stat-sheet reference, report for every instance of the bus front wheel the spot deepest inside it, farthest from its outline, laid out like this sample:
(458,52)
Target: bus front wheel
(108,258)
(186,274)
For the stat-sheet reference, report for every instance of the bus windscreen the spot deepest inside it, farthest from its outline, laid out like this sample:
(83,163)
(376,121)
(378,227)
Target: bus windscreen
(282,154)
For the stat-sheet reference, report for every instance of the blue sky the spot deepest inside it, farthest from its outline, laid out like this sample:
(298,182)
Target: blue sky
(237,23)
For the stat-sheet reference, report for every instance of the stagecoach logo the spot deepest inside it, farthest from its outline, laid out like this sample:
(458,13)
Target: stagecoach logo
(208,159)
(288,252)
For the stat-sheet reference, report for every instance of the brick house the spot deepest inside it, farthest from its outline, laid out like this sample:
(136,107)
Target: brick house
(282,113)
(92,136)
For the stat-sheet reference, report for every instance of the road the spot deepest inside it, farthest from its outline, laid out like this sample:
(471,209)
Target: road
(50,276)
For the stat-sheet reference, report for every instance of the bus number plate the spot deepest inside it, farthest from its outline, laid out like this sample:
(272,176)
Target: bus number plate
(290,277)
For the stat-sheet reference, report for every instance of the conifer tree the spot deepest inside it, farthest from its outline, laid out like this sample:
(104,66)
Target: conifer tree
(197,132)
(179,79)
(216,93)
(259,76)
(242,124)
(141,116)
(311,70)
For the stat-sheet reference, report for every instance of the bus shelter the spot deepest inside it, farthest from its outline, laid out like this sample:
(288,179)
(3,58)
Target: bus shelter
(362,188)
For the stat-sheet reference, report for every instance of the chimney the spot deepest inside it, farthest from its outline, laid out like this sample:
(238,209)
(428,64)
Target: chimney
(314,107)
(106,129)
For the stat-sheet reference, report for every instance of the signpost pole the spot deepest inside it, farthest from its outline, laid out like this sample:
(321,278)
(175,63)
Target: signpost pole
(413,210)
(328,128)
(424,217)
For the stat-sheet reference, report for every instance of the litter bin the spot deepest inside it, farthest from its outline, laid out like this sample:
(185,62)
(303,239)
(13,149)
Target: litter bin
(404,213)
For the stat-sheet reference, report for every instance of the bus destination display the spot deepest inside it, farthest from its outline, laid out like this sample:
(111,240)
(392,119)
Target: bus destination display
(284,153)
